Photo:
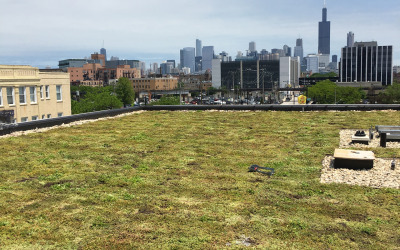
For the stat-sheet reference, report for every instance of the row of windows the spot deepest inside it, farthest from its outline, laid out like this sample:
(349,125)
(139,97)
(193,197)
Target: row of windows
(44,91)
(141,86)
(35,117)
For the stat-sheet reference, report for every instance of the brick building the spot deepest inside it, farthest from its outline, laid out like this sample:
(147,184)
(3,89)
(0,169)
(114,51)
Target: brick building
(154,84)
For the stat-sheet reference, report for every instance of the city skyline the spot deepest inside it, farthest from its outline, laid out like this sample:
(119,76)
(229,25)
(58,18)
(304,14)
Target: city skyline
(154,32)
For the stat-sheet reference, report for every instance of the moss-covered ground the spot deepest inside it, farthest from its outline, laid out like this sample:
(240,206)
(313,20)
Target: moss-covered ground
(179,180)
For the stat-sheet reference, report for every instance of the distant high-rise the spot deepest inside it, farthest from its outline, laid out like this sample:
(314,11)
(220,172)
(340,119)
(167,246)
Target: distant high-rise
(198,48)
(103,51)
(324,34)
(287,50)
(208,56)
(298,50)
(350,39)
(187,58)
(367,62)
(166,67)
(334,58)
(299,42)
(312,62)
(155,68)
(252,46)
(173,63)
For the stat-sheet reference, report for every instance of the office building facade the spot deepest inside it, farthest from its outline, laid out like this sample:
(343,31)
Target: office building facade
(289,71)
(199,48)
(350,39)
(245,75)
(367,62)
(28,94)
(208,56)
(187,58)
(312,63)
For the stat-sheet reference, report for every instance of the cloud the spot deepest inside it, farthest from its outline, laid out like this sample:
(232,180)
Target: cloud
(155,27)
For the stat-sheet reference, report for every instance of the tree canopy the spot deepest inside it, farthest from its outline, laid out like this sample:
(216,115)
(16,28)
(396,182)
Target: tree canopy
(212,91)
(390,95)
(124,91)
(93,99)
(167,100)
(327,92)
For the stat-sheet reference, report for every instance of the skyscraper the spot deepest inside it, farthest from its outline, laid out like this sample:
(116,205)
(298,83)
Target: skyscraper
(208,56)
(187,58)
(287,50)
(350,39)
(298,50)
(252,46)
(198,48)
(324,34)
(103,51)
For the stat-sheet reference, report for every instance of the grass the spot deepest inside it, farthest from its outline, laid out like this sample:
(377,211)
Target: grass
(179,180)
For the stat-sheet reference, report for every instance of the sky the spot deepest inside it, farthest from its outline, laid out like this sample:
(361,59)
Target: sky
(42,32)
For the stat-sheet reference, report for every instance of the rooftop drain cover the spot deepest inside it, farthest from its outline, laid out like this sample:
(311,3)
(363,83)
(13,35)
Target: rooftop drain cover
(353,159)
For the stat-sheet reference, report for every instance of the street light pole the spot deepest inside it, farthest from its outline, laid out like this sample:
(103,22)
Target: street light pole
(335,91)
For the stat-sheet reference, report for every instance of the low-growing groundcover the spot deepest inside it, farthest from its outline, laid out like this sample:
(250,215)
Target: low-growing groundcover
(179,180)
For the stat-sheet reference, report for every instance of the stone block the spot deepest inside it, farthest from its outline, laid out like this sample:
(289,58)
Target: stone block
(353,159)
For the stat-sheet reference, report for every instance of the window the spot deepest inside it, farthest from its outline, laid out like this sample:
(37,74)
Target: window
(32,91)
(35,117)
(48,115)
(47,91)
(1,96)
(60,114)
(43,117)
(22,95)
(59,94)
(41,92)
(24,119)
(10,96)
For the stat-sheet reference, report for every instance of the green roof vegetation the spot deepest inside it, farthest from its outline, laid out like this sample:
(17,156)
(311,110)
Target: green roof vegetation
(179,180)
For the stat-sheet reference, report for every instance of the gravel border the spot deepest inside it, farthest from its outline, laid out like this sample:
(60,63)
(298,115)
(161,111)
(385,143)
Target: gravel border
(345,140)
(380,176)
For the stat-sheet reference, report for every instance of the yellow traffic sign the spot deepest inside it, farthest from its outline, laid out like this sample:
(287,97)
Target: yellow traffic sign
(302,99)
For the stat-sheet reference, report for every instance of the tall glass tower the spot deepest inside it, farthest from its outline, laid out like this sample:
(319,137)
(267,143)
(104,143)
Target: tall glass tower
(198,47)
(324,34)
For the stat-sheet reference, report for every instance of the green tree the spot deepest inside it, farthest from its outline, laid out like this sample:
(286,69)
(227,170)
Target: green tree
(350,95)
(124,91)
(167,100)
(322,92)
(212,91)
(390,95)
(93,99)
(326,92)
